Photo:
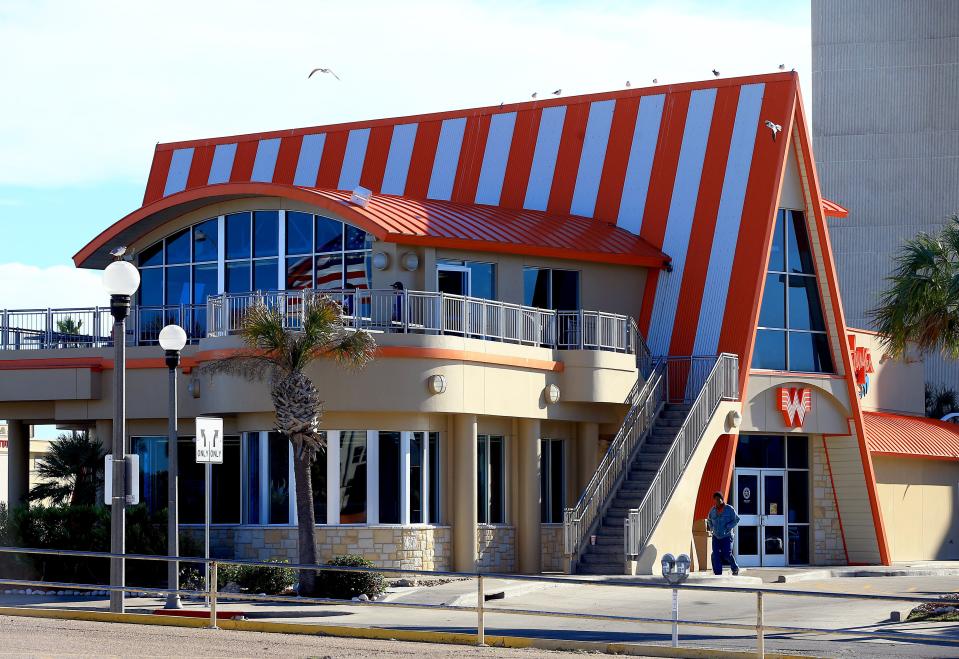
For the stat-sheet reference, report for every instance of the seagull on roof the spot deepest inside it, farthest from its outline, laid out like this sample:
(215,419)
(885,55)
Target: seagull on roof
(535,94)
(655,81)
(782,67)
(775,128)
(557,92)
(628,84)
(118,252)
(715,73)
(330,71)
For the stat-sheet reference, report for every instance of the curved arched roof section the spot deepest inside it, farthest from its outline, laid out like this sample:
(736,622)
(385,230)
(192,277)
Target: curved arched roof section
(401,220)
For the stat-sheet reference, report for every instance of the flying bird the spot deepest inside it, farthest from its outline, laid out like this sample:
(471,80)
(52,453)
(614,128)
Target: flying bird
(118,252)
(715,73)
(775,128)
(330,71)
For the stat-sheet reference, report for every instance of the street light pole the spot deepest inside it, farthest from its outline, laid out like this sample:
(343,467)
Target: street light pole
(172,340)
(121,280)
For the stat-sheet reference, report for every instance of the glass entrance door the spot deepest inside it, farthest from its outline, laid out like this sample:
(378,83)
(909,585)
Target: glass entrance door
(453,313)
(759,499)
(452,279)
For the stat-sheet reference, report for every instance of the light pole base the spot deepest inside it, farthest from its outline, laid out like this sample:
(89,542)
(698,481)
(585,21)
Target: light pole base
(173,602)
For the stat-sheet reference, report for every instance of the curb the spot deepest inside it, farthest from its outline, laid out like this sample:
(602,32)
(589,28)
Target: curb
(498,593)
(378,633)
(848,573)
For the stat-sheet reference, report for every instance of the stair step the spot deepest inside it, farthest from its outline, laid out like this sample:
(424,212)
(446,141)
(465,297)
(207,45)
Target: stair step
(602,569)
(590,558)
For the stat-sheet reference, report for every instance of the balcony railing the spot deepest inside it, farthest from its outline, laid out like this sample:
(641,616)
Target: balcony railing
(411,312)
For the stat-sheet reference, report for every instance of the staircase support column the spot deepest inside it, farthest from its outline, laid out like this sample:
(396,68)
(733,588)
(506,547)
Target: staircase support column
(529,540)
(587,453)
(18,463)
(464,492)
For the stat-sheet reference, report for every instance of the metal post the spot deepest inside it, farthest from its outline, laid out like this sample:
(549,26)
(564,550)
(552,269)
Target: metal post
(480,623)
(212,584)
(119,307)
(760,639)
(173,517)
(206,526)
(675,617)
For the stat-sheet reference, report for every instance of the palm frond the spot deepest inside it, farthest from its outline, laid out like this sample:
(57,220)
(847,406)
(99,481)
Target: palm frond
(353,349)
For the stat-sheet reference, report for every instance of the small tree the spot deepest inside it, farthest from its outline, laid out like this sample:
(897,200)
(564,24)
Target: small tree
(279,356)
(921,303)
(69,327)
(71,471)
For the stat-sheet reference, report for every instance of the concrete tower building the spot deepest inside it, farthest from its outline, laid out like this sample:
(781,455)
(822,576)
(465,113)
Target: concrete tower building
(886,135)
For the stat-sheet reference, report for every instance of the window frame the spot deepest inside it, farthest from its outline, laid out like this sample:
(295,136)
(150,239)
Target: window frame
(551,301)
(784,215)
(546,475)
(503,489)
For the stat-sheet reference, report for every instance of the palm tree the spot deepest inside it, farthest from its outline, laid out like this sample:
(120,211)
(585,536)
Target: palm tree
(940,401)
(71,471)
(921,304)
(279,355)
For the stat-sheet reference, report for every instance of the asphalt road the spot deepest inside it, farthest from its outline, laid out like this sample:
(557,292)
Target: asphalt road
(37,637)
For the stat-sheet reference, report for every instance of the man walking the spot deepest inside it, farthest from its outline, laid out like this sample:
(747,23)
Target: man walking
(722,522)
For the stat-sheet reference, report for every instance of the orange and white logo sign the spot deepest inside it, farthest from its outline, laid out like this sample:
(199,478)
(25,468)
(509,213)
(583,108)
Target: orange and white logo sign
(794,403)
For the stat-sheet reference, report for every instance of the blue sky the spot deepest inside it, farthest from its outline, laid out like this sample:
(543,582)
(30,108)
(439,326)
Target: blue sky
(84,106)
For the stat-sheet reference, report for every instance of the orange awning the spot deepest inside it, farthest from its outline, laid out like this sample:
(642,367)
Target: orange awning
(915,436)
(832,209)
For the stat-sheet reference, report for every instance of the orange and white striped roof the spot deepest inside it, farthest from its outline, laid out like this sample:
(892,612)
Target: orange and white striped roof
(911,436)
(690,169)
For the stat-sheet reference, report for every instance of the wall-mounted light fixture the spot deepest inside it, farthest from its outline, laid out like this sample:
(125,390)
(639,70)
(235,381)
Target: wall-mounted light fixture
(734,419)
(436,384)
(410,261)
(551,394)
(381,260)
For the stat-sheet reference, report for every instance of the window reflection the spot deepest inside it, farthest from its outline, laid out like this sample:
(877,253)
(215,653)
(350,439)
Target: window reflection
(352,477)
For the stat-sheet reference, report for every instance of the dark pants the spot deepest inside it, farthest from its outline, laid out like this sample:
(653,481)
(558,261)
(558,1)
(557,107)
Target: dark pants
(722,554)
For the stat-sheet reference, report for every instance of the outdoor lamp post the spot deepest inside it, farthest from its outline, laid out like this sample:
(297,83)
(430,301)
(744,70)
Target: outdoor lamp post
(172,340)
(121,280)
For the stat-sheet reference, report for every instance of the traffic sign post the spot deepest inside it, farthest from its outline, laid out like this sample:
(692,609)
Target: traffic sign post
(209,451)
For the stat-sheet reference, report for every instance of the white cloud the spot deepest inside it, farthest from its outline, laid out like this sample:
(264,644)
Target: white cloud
(96,84)
(59,286)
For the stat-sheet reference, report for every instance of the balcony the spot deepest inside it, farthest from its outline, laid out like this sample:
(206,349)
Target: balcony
(378,311)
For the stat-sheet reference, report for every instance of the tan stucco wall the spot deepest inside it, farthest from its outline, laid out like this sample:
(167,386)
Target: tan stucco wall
(920,506)
(898,385)
(830,404)
(855,510)
(674,531)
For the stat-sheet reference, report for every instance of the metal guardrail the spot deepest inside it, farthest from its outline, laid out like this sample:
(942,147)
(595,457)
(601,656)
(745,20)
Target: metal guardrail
(423,312)
(760,628)
(644,406)
(91,327)
(721,384)
(389,310)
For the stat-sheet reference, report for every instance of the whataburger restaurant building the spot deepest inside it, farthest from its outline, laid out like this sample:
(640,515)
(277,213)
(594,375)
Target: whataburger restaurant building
(584,306)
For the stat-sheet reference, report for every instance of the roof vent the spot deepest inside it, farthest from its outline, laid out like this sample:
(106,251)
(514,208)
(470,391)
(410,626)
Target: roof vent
(361,196)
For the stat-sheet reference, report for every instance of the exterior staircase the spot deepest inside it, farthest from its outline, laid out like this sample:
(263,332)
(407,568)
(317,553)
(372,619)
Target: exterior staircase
(607,555)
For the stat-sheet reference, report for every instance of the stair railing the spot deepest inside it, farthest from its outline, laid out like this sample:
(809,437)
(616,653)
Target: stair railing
(722,384)
(645,404)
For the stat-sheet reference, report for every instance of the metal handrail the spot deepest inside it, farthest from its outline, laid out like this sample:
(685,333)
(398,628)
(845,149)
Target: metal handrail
(721,384)
(429,312)
(398,311)
(644,406)
(760,627)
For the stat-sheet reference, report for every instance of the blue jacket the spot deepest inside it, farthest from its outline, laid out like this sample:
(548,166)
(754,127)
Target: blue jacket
(722,524)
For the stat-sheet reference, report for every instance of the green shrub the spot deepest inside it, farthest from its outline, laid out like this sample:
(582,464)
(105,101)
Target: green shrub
(347,585)
(257,578)
(87,528)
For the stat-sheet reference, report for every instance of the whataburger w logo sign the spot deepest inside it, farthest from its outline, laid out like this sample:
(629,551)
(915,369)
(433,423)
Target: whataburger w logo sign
(794,403)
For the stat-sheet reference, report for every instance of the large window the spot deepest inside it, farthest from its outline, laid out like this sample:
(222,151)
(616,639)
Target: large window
(225,482)
(551,289)
(262,250)
(552,483)
(792,328)
(491,479)
(472,278)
